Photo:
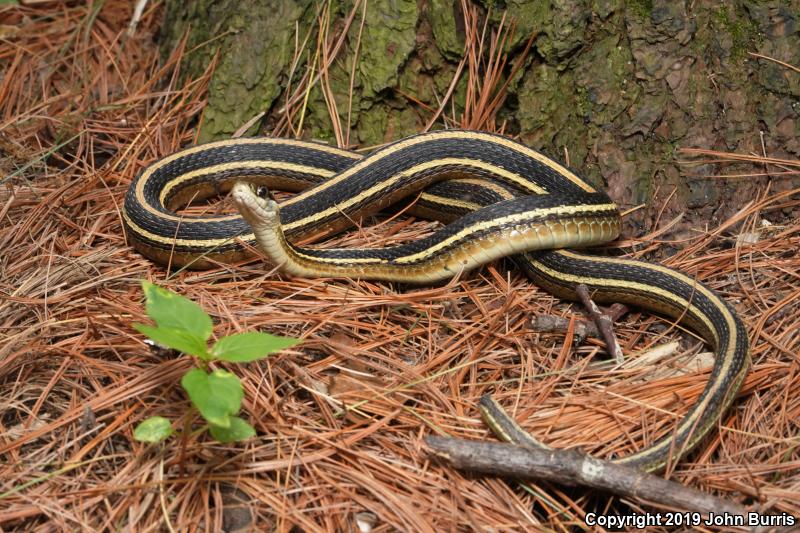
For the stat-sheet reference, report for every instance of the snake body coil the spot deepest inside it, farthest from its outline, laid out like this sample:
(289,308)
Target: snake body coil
(500,197)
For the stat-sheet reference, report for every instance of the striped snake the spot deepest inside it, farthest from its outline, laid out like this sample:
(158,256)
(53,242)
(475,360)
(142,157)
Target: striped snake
(498,198)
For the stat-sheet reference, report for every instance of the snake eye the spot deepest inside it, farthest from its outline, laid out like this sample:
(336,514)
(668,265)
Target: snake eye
(262,192)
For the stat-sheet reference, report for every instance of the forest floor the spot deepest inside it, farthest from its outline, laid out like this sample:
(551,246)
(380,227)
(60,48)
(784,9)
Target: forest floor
(84,106)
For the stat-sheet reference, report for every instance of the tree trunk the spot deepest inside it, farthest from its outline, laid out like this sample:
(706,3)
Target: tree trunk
(618,86)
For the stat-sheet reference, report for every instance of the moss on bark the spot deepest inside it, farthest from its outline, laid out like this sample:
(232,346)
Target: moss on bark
(255,43)
(618,84)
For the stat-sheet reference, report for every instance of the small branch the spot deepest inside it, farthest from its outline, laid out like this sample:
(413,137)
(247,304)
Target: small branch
(617,311)
(559,324)
(582,330)
(604,323)
(572,467)
(137,16)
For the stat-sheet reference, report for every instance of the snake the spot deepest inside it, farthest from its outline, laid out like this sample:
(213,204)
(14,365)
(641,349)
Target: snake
(497,198)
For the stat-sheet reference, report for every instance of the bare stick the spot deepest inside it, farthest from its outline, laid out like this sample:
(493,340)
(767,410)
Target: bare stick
(572,467)
(559,324)
(137,16)
(603,321)
(583,329)
(617,311)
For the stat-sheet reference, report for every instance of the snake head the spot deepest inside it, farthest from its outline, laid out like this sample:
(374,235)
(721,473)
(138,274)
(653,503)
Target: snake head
(255,203)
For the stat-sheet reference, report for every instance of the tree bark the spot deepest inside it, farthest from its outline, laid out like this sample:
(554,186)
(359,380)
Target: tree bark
(619,86)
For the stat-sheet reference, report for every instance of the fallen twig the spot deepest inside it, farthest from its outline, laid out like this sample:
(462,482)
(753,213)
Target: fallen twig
(604,323)
(572,467)
(558,324)
(582,329)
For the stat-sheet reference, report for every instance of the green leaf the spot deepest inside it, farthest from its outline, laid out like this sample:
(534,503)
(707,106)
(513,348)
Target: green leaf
(178,339)
(244,347)
(173,311)
(217,395)
(239,430)
(154,429)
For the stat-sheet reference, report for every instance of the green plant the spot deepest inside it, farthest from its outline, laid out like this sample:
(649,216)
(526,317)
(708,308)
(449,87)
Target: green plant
(217,394)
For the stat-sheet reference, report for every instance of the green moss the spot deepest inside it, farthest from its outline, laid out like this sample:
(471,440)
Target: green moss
(387,41)
(403,122)
(604,8)
(254,52)
(372,126)
(544,98)
(603,73)
(742,30)
(384,61)
(416,83)
(528,17)
(442,18)
(559,25)
(643,8)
